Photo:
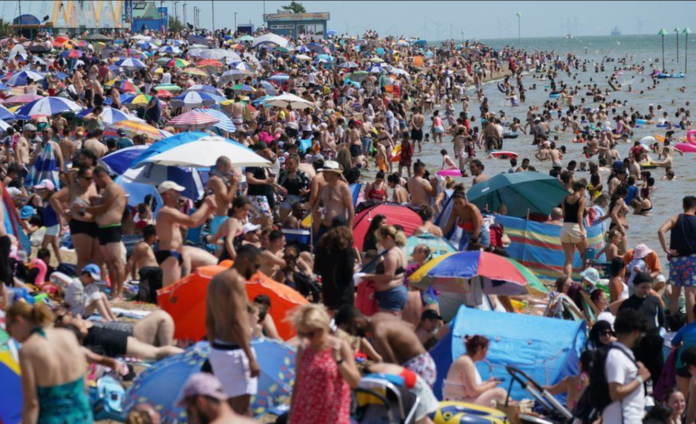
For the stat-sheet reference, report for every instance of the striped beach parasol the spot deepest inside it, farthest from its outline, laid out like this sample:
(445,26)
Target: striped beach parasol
(194,120)
(225,123)
(49,106)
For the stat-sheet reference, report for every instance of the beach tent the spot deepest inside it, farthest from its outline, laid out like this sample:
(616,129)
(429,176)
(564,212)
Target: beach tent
(13,225)
(185,302)
(396,215)
(11,387)
(547,349)
(538,246)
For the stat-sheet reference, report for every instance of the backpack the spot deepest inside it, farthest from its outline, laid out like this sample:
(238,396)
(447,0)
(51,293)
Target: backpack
(595,399)
(107,397)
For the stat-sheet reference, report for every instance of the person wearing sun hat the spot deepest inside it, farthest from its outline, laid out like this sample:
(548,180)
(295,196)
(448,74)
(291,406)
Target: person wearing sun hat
(644,253)
(335,197)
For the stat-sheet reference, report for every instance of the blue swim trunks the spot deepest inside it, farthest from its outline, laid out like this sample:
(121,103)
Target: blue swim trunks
(682,271)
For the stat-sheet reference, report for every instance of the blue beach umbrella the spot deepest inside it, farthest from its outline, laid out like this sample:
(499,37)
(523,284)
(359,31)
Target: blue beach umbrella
(195,99)
(49,106)
(225,123)
(279,77)
(161,385)
(20,78)
(11,388)
(131,63)
(111,116)
(205,88)
(6,115)
(270,88)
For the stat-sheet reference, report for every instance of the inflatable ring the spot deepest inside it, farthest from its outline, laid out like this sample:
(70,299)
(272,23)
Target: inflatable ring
(449,173)
(689,137)
(686,148)
(466,413)
(648,165)
(641,122)
(510,135)
(555,95)
(503,88)
(504,155)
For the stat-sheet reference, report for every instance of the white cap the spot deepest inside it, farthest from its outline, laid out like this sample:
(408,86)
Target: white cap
(249,227)
(169,185)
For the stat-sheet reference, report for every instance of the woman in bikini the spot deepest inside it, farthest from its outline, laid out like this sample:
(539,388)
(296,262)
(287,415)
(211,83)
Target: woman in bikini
(399,193)
(377,189)
(467,216)
(83,228)
(231,230)
(391,293)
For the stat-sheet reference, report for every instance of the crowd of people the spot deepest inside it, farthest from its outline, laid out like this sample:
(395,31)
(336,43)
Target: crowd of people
(360,120)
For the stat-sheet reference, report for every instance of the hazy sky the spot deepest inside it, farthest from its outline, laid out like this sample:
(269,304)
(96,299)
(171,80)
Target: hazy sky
(442,19)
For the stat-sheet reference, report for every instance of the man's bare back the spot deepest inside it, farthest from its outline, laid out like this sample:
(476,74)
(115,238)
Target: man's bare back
(395,338)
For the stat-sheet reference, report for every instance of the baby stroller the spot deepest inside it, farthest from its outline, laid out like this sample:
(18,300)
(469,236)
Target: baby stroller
(383,399)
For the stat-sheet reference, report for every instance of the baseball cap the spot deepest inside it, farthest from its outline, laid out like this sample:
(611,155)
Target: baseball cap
(27,212)
(45,185)
(169,185)
(29,127)
(591,275)
(202,384)
(430,314)
(249,227)
(641,278)
(93,271)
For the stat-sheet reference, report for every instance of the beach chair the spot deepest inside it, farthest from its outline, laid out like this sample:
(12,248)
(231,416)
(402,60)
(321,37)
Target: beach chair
(563,307)
(589,309)
(383,399)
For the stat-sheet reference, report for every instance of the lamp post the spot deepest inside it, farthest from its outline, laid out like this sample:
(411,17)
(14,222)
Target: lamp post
(213,4)
(686,32)
(519,29)
(676,30)
(235,23)
(663,32)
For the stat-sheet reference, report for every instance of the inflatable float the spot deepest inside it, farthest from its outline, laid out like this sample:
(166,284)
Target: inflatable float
(453,172)
(648,165)
(396,153)
(555,95)
(461,413)
(665,76)
(690,145)
(503,155)
(502,88)
(641,122)
(510,135)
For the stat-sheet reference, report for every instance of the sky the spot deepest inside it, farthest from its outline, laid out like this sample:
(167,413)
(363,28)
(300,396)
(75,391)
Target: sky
(435,20)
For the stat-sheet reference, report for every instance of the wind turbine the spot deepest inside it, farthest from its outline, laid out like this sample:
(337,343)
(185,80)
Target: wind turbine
(639,25)
(561,27)
(500,28)
(438,26)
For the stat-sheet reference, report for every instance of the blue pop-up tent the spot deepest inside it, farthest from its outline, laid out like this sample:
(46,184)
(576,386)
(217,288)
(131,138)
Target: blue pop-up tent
(547,349)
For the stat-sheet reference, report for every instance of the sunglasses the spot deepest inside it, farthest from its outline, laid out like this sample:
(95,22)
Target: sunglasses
(87,178)
(606,333)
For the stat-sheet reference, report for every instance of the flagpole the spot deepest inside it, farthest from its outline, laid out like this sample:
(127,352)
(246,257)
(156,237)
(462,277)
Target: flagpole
(686,32)
(519,30)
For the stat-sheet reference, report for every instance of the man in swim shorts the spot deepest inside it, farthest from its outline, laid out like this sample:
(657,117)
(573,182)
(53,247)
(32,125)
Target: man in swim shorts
(169,222)
(223,185)
(108,213)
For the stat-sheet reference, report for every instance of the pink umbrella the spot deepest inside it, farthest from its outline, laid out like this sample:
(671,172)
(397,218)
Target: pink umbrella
(193,120)
(23,99)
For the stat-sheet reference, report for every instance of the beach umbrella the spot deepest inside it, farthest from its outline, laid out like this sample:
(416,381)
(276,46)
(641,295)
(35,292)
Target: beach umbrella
(185,301)
(244,88)
(272,39)
(195,99)
(72,54)
(287,99)
(18,50)
(193,120)
(160,385)
(6,115)
(496,274)
(270,88)
(20,78)
(209,62)
(205,88)
(195,71)
(166,95)
(279,77)
(396,215)
(224,122)
(403,43)
(399,71)
(123,86)
(177,63)
(141,37)
(135,99)
(438,246)
(349,65)
(132,128)
(686,32)
(205,150)
(523,193)
(168,87)
(23,99)
(243,66)
(245,38)
(97,37)
(11,398)
(358,75)
(163,60)
(233,75)
(662,33)
(4,126)
(169,50)
(49,106)
(110,115)
(132,63)
(377,69)
(303,57)
(4,87)
(220,54)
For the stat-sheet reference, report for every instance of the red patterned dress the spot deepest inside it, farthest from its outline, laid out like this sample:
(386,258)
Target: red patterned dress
(323,396)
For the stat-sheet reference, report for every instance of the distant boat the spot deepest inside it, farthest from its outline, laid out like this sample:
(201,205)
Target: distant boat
(616,31)
(569,36)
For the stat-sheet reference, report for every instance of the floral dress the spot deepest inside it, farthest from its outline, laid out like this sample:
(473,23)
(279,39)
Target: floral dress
(322,395)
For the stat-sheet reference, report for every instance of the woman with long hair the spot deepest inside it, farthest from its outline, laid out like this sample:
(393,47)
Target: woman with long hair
(391,293)
(335,261)
(464,383)
(52,365)
(231,230)
(370,240)
(573,234)
(325,371)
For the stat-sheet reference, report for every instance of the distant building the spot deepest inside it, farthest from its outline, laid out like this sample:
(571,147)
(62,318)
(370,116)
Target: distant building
(296,25)
(146,14)
(79,16)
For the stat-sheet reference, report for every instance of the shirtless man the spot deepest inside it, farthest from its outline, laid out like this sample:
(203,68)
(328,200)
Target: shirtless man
(417,123)
(227,322)
(353,137)
(335,198)
(95,145)
(394,339)
(555,155)
(272,261)
(108,214)
(223,184)
(476,167)
(23,148)
(48,139)
(142,263)
(422,191)
(238,113)
(68,147)
(169,223)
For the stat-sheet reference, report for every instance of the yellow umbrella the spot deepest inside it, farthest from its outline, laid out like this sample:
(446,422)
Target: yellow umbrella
(195,71)
(132,128)
(159,71)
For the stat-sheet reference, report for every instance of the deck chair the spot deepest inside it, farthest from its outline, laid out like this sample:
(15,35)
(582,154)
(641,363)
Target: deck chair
(563,307)
(384,399)
(589,309)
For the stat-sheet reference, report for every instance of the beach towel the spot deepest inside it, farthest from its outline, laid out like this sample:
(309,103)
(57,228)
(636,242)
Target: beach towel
(45,168)
(365,299)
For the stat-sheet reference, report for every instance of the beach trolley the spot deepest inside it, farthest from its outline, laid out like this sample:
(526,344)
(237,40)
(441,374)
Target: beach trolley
(383,399)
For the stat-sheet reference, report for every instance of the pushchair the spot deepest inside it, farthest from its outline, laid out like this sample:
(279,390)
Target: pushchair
(383,399)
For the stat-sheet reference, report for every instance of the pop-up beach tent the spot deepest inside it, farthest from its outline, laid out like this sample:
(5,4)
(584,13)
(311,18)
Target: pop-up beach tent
(13,224)
(546,349)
